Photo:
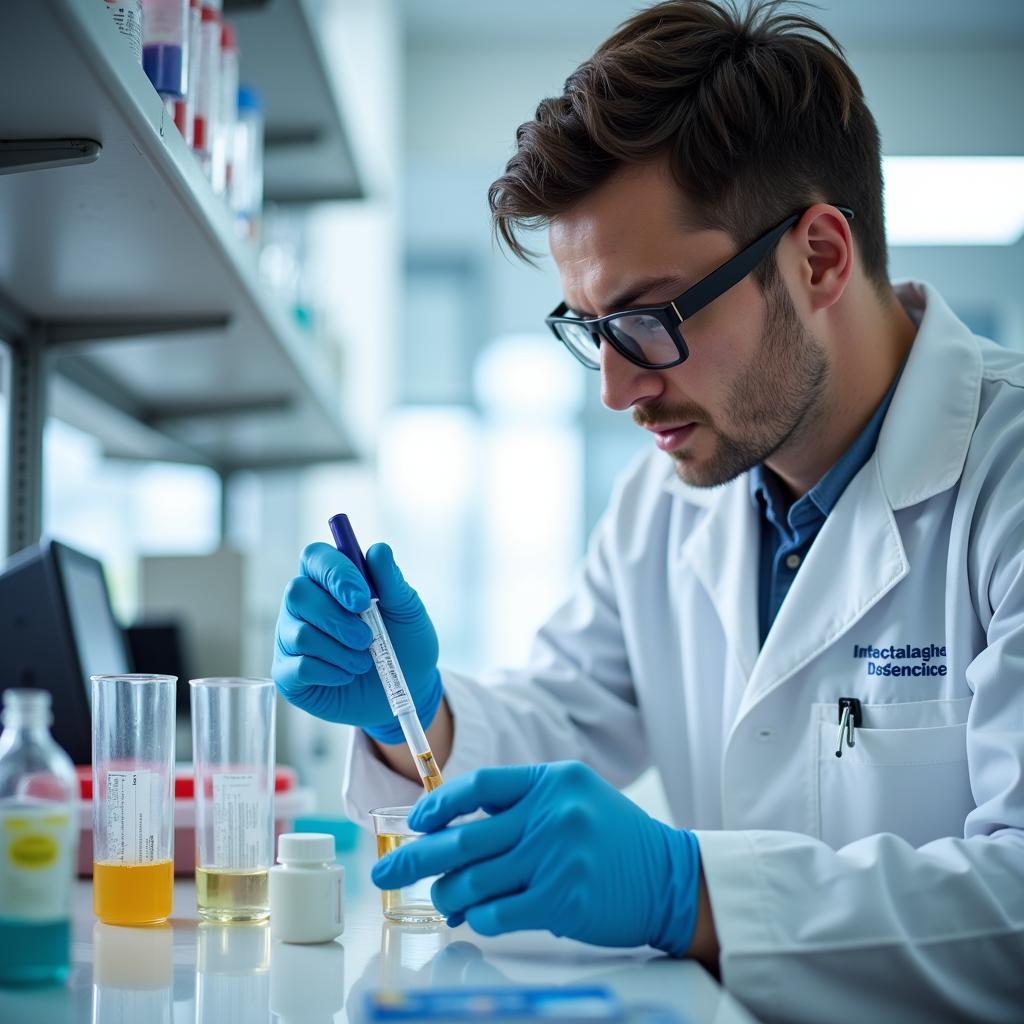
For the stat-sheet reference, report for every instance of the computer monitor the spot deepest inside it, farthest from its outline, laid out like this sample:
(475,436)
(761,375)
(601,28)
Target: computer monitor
(56,629)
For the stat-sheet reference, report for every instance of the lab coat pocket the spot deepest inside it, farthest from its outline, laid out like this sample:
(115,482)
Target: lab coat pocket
(912,782)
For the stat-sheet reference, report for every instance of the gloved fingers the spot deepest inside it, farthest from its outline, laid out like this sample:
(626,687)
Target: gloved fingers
(319,701)
(297,675)
(521,911)
(306,601)
(483,881)
(397,598)
(296,638)
(447,850)
(337,575)
(492,789)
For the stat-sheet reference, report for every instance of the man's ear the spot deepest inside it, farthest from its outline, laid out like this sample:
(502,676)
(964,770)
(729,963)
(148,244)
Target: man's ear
(825,252)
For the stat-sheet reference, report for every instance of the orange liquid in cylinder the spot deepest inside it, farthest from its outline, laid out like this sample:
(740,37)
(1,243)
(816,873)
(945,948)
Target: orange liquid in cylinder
(132,893)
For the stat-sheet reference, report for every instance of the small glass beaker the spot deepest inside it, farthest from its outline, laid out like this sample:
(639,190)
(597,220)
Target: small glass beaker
(412,903)
(133,798)
(233,756)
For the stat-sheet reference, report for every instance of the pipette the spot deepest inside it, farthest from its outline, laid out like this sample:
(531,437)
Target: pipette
(386,661)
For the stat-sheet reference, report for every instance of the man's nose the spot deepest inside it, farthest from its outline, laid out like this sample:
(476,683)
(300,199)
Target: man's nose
(623,383)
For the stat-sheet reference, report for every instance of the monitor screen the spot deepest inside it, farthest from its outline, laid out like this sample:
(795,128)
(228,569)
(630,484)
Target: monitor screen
(57,629)
(100,642)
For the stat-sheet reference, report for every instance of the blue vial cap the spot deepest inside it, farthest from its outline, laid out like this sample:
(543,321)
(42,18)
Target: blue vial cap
(162,62)
(249,99)
(345,541)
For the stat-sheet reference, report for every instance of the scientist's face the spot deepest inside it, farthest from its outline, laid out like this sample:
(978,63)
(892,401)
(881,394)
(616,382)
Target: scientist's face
(755,376)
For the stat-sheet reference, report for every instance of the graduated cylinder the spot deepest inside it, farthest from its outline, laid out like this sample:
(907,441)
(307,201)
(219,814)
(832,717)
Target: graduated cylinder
(233,753)
(133,792)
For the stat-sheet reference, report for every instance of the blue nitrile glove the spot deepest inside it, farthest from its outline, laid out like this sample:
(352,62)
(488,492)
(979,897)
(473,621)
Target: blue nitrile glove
(321,653)
(562,850)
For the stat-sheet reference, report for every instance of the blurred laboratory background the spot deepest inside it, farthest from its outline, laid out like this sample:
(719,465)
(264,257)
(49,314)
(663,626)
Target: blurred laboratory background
(193,382)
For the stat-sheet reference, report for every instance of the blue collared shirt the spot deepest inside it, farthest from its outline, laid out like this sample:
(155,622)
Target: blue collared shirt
(788,528)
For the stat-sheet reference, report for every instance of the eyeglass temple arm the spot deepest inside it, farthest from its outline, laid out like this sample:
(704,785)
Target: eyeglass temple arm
(731,273)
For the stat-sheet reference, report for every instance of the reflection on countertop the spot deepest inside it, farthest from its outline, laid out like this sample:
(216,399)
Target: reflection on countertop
(191,972)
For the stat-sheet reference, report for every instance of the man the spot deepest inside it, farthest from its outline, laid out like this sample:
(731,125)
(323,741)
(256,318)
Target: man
(805,608)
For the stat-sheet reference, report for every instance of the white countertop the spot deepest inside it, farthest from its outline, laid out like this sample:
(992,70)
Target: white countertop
(203,973)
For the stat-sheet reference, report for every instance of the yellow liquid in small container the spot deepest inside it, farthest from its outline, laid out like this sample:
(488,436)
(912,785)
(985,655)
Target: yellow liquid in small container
(132,894)
(411,904)
(232,895)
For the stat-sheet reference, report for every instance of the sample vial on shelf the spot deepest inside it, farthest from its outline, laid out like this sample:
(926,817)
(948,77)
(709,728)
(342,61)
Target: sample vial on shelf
(185,108)
(307,889)
(223,142)
(165,45)
(207,109)
(127,15)
(133,788)
(245,190)
(38,838)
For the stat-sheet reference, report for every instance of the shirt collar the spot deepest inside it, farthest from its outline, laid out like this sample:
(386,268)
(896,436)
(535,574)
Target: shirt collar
(766,491)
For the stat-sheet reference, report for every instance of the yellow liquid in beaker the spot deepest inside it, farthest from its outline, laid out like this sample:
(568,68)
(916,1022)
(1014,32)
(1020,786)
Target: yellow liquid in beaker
(232,895)
(411,904)
(132,893)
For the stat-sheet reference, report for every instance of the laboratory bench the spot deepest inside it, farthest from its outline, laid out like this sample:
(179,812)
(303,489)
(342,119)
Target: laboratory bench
(192,971)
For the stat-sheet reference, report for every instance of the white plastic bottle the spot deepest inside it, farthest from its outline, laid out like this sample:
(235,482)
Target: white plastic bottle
(307,889)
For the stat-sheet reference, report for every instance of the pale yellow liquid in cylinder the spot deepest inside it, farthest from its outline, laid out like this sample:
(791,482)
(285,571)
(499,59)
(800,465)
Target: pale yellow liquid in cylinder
(232,895)
(132,893)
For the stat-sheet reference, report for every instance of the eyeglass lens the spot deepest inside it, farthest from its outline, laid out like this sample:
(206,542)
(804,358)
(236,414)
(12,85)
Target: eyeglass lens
(640,337)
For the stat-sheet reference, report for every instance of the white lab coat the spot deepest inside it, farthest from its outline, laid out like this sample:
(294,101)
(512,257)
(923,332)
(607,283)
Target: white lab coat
(887,885)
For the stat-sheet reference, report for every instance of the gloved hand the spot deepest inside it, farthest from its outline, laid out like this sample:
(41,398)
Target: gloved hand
(562,850)
(321,652)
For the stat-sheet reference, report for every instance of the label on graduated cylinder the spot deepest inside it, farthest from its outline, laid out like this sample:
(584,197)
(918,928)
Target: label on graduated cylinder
(133,816)
(386,663)
(37,846)
(239,822)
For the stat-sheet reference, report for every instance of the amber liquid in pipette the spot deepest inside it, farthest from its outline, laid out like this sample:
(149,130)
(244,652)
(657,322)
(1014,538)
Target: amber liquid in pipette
(430,774)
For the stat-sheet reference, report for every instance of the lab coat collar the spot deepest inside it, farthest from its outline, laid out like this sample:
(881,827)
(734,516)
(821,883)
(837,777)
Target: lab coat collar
(921,451)
(926,435)
(927,431)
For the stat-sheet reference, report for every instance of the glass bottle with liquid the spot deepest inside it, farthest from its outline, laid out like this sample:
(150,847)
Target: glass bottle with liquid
(38,839)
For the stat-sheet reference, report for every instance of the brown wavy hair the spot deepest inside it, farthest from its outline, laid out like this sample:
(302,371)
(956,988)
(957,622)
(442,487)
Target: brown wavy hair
(755,108)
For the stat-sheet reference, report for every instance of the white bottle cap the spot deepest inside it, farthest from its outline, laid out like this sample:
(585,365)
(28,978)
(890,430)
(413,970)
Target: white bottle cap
(305,848)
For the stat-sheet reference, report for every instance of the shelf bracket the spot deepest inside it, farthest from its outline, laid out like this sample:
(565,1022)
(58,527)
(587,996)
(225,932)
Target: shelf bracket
(67,334)
(27,413)
(17,155)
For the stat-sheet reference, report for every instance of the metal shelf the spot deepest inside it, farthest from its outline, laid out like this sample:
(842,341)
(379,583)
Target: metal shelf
(121,271)
(308,157)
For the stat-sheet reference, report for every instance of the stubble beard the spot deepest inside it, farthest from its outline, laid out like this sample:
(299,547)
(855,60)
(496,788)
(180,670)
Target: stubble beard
(772,403)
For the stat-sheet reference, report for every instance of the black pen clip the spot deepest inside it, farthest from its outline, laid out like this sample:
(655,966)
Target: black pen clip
(849,718)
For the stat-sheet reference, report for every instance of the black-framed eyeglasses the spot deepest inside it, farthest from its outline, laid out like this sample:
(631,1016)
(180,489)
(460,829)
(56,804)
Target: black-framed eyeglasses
(650,336)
